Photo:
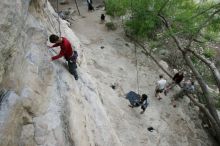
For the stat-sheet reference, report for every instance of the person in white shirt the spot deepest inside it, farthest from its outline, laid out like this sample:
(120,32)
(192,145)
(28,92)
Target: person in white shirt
(160,87)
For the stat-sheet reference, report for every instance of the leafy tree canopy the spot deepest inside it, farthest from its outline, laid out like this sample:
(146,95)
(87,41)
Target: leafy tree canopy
(186,17)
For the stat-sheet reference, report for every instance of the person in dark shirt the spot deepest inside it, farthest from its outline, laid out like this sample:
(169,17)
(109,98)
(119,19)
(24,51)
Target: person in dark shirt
(177,79)
(66,51)
(102,18)
(90,7)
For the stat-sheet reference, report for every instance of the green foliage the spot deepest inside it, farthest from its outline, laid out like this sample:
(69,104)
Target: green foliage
(143,25)
(110,26)
(155,44)
(204,71)
(211,36)
(186,17)
(209,53)
(116,7)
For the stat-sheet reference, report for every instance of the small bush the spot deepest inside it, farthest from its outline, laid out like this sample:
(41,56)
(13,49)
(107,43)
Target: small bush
(209,53)
(116,7)
(110,26)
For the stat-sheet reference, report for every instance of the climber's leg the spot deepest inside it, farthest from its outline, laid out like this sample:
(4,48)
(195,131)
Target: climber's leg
(72,69)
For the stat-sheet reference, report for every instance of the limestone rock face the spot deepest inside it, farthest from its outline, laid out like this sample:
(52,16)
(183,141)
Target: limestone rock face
(41,103)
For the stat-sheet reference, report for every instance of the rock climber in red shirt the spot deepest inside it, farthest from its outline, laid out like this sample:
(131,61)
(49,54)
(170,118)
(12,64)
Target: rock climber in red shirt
(66,51)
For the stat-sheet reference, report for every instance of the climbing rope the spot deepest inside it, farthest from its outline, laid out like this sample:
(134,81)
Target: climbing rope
(58,17)
(135,47)
(50,21)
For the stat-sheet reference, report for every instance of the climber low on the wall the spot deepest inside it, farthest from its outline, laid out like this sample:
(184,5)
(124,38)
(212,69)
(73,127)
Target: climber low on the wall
(66,50)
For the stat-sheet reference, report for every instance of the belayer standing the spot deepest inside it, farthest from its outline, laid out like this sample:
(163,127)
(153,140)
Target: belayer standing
(66,50)
(160,87)
(90,7)
(102,18)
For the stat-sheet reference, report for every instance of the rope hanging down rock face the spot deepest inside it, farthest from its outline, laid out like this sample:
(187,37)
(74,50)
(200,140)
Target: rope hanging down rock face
(135,47)
(138,87)
(58,17)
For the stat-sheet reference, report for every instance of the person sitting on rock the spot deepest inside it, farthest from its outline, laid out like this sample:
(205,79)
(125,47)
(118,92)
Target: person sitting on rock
(66,50)
(160,87)
(187,88)
(177,79)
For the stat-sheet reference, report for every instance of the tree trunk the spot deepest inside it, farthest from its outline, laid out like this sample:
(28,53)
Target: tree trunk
(215,125)
(211,112)
(209,99)
(210,102)
(147,53)
(211,66)
(77,6)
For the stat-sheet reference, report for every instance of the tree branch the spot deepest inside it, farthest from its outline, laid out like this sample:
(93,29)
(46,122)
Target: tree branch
(210,65)
(198,41)
(195,72)
(210,102)
(207,113)
(169,29)
(163,6)
(206,22)
(204,11)
(147,53)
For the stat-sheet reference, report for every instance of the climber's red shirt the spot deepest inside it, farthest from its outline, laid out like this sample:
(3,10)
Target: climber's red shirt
(66,49)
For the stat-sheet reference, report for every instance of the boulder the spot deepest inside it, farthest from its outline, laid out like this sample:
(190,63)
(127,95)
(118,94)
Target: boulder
(164,64)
